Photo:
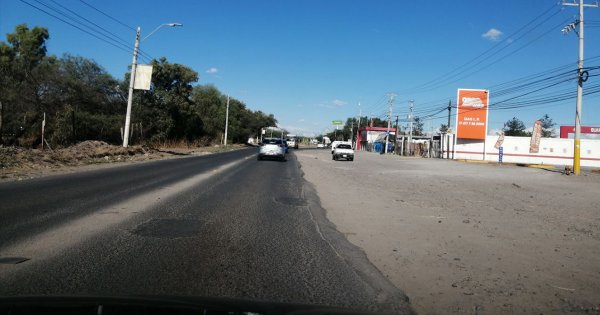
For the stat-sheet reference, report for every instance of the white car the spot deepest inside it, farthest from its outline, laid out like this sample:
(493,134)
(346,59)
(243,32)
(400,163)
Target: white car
(343,151)
(272,148)
(334,144)
(320,145)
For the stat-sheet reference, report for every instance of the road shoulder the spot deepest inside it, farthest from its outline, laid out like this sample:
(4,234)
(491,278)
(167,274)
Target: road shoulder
(467,238)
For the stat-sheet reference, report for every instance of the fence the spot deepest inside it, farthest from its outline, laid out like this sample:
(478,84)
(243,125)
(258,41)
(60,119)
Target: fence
(552,151)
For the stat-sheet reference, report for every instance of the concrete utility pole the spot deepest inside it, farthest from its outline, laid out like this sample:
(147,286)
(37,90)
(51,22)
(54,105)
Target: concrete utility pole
(132,78)
(410,119)
(577,140)
(387,136)
(396,136)
(226,121)
(131,85)
(449,113)
(351,132)
(359,117)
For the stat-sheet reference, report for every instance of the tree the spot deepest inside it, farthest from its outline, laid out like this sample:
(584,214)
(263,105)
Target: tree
(548,126)
(516,128)
(20,81)
(443,128)
(243,123)
(417,126)
(349,130)
(83,102)
(167,111)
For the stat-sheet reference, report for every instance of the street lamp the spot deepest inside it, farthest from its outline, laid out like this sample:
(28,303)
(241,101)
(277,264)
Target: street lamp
(132,78)
(158,27)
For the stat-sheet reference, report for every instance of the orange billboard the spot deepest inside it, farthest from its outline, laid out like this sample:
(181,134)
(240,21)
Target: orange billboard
(471,121)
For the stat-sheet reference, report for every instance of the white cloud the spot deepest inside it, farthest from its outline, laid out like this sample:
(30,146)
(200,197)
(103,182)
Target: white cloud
(333,104)
(212,70)
(301,120)
(494,132)
(339,103)
(492,34)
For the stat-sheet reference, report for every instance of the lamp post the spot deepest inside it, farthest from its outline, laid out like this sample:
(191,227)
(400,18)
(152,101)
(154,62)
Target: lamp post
(132,78)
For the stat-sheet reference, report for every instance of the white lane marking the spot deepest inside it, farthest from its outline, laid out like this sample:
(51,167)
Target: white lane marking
(54,241)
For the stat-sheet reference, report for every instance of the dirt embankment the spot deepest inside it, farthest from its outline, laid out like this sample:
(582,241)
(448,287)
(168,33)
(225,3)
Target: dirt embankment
(19,163)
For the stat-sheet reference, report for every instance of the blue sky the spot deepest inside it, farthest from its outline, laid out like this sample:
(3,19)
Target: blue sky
(311,62)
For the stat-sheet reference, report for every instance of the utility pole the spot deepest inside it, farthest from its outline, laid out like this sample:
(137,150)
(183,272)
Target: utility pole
(396,136)
(351,131)
(577,140)
(131,85)
(410,119)
(226,120)
(449,113)
(387,136)
(358,127)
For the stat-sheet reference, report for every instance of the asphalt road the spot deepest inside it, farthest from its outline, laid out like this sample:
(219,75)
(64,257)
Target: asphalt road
(222,225)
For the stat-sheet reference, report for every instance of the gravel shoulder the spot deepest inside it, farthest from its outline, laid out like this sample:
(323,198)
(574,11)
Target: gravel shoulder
(468,238)
(19,163)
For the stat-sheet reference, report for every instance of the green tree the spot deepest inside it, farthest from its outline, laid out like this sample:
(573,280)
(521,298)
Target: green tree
(167,111)
(82,101)
(548,127)
(417,126)
(21,82)
(443,128)
(243,123)
(516,128)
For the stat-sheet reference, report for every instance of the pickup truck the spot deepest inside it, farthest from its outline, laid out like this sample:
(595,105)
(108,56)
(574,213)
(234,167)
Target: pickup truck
(343,151)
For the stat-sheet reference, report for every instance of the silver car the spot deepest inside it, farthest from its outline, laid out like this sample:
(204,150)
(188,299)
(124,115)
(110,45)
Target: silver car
(272,148)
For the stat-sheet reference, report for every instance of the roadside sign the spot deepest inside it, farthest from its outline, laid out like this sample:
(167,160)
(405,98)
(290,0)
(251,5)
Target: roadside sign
(536,135)
(471,121)
(143,77)
(500,141)
(500,154)
(337,122)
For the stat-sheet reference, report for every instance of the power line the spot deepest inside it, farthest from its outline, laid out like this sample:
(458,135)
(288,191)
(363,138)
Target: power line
(108,16)
(112,35)
(485,66)
(493,48)
(79,22)
(75,26)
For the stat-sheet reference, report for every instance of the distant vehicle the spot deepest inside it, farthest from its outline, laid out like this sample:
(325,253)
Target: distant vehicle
(272,148)
(343,151)
(292,141)
(326,141)
(320,145)
(334,144)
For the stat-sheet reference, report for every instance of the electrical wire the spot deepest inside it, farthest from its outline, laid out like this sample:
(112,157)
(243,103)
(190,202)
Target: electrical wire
(77,27)
(481,55)
(108,16)
(83,24)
